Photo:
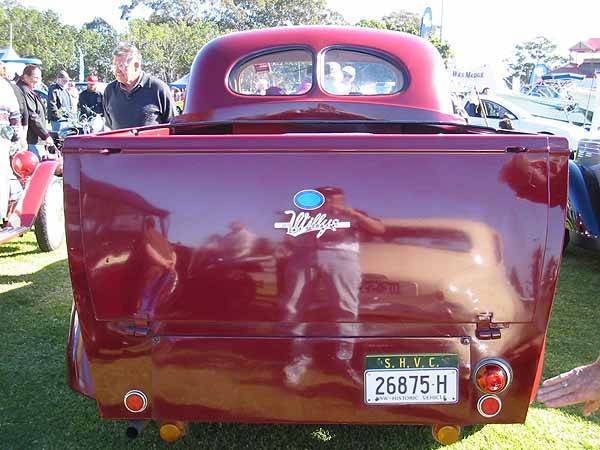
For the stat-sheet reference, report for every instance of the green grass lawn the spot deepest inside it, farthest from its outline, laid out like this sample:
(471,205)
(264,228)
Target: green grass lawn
(38,410)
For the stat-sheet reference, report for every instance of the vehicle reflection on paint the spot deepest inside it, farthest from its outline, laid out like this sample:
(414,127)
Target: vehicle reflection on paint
(410,270)
(434,268)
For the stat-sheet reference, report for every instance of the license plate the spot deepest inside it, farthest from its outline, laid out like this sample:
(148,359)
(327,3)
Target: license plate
(411,379)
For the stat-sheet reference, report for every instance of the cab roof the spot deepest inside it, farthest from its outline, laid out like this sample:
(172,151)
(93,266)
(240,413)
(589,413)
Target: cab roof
(425,98)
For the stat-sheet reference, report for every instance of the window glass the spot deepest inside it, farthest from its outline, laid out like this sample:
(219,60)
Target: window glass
(348,72)
(287,72)
(496,111)
(435,238)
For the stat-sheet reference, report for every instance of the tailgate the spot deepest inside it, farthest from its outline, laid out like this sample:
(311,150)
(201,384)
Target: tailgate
(217,230)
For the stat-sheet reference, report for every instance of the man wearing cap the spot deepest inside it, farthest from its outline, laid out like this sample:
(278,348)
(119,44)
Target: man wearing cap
(90,100)
(135,98)
(349,74)
(60,104)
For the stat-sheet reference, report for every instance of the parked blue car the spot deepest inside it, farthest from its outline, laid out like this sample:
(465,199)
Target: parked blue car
(583,214)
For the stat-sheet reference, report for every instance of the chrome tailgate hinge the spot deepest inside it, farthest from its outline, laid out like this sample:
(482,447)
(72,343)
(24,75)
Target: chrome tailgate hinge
(138,328)
(487,329)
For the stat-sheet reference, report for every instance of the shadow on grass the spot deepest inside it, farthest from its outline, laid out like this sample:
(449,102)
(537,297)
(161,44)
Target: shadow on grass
(347,437)
(8,250)
(33,368)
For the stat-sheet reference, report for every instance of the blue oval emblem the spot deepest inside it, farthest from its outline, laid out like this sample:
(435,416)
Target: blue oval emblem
(309,199)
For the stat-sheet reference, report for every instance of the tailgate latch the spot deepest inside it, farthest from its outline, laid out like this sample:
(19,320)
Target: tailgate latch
(486,328)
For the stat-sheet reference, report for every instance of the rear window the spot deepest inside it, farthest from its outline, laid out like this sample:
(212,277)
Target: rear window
(351,72)
(286,72)
(434,238)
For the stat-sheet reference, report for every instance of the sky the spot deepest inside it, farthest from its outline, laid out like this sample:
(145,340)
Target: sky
(479,31)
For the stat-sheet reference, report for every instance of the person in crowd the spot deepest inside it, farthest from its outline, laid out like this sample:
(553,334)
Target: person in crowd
(304,87)
(90,100)
(10,131)
(60,102)
(262,85)
(135,98)
(8,76)
(580,385)
(37,134)
(74,93)
(349,74)
(334,78)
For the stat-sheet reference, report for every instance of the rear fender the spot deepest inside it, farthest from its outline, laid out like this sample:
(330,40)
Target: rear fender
(78,366)
(538,373)
(581,215)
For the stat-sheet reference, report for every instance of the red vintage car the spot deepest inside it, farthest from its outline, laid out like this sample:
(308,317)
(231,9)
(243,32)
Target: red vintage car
(317,239)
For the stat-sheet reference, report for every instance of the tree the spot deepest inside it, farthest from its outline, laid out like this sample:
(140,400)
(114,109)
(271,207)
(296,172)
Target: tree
(540,50)
(99,25)
(168,50)
(169,11)
(40,34)
(442,46)
(97,39)
(407,22)
(251,14)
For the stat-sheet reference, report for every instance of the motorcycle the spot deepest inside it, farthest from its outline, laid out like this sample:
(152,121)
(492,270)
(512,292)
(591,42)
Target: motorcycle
(82,124)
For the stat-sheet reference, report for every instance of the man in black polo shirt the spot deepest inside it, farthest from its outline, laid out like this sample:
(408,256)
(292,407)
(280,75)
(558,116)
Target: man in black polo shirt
(135,99)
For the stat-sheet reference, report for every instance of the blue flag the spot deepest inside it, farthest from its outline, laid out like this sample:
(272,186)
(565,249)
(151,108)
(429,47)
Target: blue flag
(426,23)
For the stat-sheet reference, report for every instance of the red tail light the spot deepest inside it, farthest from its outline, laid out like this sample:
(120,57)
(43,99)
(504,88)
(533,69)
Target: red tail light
(492,376)
(489,405)
(135,401)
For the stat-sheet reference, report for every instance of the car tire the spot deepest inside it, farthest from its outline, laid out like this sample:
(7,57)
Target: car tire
(49,224)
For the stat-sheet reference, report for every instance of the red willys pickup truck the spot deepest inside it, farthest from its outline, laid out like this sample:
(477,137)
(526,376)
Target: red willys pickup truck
(317,239)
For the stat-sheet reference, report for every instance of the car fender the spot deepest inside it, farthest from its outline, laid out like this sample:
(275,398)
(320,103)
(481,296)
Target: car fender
(35,190)
(581,216)
(78,366)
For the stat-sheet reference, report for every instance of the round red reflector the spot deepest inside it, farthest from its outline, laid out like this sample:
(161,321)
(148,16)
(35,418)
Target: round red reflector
(135,401)
(492,377)
(489,405)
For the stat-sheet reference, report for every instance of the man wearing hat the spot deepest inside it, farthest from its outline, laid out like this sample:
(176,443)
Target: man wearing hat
(60,105)
(90,100)
(349,73)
